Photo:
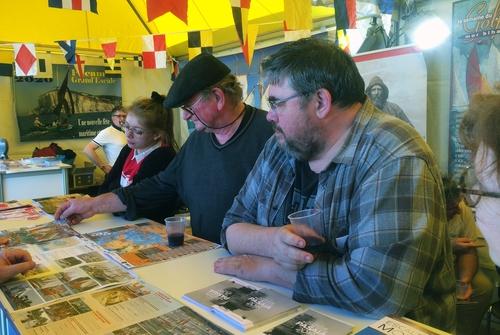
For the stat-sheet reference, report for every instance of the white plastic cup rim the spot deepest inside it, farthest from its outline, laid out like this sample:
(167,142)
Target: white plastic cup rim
(304,214)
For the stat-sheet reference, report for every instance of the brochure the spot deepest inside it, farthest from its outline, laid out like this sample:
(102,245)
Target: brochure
(38,233)
(65,267)
(242,305)
(132,308)
(396,325)
(15,210)
(145,243)
(311,322)
(50,204)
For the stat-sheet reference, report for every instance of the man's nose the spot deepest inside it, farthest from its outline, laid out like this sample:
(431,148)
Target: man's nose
(272,117)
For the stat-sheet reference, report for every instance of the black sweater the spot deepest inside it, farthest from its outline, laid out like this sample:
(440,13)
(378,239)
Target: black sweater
(153,163)
(205,175)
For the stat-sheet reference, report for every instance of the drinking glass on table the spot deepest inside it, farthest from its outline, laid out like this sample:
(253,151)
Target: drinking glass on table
(312,219)
(175,226)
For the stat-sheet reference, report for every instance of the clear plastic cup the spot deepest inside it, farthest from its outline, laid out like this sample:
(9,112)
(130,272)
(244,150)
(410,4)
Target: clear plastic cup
(175,226)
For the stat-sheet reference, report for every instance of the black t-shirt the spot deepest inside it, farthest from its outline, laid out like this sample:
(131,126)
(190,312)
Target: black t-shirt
(304,188)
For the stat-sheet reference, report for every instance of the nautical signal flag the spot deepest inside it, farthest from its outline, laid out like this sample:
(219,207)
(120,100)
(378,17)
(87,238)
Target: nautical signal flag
(44,65)
(240,10)
(246,34)
(69,50)
(200,42)
(87,5)
(154,54)
(80,66)
(345,14)
(298,19)
(109,49)
(157,8)
(345,18)
(25,58)
(249,46)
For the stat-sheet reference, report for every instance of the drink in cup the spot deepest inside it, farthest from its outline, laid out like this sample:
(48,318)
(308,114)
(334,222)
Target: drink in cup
(175,226)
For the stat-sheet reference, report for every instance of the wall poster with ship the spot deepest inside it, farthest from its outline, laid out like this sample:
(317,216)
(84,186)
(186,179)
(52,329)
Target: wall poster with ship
(66,106)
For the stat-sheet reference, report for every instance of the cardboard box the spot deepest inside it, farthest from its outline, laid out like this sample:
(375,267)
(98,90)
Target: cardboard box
(81,177)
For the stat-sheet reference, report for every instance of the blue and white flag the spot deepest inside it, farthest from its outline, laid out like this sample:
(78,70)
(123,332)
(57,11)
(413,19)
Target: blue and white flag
(69,50)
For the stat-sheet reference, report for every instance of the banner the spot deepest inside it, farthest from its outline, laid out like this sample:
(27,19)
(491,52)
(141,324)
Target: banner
(65,106)
(475,66)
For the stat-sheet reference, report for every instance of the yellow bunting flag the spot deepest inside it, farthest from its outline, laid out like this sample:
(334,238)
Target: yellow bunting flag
(200,41)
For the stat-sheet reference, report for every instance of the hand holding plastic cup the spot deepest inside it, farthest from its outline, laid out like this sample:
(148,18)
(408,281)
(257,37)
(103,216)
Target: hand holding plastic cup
(312,219)
(175,226)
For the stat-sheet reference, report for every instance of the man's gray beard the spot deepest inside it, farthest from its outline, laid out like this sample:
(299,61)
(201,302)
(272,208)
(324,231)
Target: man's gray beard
(379,102)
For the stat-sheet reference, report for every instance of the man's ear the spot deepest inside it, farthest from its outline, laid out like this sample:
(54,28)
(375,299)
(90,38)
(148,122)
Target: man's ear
(220,98)
(324,103)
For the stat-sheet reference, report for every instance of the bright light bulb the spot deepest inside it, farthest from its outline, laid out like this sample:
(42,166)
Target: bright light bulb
(430,33)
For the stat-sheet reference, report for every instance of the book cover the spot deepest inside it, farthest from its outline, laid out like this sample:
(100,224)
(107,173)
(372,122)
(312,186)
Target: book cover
(311,322)
(396,325)
(144,244)
(242,305)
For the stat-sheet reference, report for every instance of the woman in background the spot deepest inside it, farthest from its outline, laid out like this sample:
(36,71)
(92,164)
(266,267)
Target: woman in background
(480,132)
(150,148)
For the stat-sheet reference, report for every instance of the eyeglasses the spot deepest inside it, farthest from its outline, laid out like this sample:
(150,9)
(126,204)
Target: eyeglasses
(191,109)
(275,103)
(121,116)
(134,130)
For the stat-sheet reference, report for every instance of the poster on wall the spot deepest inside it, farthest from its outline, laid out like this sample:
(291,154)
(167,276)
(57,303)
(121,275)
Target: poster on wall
(396,82)
(475,66)
(65,106)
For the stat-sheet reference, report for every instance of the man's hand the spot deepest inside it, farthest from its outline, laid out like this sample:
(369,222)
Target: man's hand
(289,242)
(255,268)
(75,210)
(13,262)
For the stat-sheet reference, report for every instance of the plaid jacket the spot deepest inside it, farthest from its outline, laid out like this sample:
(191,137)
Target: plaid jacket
(383,216)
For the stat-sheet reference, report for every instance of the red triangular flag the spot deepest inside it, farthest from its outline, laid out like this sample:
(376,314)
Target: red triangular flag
(79,66)
(157,8)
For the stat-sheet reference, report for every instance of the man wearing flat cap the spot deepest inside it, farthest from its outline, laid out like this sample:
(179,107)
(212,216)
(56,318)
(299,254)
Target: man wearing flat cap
(211,166)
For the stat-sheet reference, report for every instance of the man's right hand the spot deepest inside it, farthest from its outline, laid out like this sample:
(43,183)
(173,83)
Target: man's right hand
(75,210)
(289,242)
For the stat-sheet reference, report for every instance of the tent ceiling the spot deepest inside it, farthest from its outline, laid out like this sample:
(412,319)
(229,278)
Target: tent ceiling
(126,20)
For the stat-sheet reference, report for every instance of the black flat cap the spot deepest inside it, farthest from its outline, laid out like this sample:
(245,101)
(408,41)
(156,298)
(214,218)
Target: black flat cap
(198,74)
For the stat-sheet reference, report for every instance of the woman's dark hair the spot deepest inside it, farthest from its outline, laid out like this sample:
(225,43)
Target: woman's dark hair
(155,117)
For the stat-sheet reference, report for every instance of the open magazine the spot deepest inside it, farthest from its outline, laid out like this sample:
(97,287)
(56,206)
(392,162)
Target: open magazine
(16,210)
(145,243)
(38,234)
(242,305)
(66,265)
(50,204)
(132,308)
(311,322)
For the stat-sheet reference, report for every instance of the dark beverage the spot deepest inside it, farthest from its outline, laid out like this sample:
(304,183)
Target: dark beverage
(175,240)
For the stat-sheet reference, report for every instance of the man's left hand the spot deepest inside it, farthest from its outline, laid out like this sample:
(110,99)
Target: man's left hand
(255,268)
